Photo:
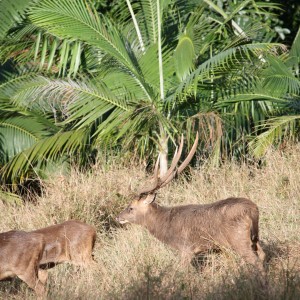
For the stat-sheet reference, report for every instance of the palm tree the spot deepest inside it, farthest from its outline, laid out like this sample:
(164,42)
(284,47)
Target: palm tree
(282,85)
(135,78)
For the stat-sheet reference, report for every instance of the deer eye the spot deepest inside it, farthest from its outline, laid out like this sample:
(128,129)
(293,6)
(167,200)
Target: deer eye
(130,208)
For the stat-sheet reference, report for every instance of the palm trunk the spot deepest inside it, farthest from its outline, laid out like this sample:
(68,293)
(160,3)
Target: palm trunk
(163,158)
(163,141)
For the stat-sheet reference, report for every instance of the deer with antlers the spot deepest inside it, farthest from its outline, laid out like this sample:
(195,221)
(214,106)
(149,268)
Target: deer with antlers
(195,229)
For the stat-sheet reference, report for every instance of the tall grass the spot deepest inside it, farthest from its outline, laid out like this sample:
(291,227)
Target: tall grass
(131,264)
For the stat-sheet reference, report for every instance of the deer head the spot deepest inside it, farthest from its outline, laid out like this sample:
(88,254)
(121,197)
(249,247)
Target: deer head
(140,206)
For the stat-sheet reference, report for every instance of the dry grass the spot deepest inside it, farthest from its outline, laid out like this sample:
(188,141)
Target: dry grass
(133,265)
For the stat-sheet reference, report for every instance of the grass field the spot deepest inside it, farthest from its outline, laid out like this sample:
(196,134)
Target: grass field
(131,264)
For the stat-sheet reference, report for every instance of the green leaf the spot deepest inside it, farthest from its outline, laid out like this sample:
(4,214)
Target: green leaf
(51,148)
(184,56)
(277,129)
(10,198)
(11,12)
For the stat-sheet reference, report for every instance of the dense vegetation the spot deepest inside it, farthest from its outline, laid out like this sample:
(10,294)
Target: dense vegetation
(81,79)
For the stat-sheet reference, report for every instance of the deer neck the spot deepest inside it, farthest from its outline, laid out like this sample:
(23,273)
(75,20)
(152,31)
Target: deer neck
(156,220)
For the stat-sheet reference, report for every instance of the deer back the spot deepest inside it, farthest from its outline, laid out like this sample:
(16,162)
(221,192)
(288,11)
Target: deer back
(71,241)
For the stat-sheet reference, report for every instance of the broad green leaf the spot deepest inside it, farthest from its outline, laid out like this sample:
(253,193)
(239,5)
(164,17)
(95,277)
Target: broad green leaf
(184,56)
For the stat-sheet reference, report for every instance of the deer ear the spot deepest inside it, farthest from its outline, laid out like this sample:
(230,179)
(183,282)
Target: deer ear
(149,199)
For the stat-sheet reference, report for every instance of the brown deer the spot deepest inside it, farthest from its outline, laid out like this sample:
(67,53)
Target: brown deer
(20,255)
(71,241)
(194,229)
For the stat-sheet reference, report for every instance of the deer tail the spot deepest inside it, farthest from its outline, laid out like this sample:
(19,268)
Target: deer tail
(254,226)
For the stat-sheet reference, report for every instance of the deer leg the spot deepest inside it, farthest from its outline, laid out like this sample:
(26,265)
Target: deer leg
(260,252)
(87,257)
(40,290)
(88,254)
(186,258)
(243,246)
(43,276)
(33,282)
(78,258)
(250,257)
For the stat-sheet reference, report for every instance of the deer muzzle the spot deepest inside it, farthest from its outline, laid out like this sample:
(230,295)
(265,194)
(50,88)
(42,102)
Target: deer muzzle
(121,220)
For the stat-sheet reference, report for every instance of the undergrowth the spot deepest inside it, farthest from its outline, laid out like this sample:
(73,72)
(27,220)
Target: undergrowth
(131,264)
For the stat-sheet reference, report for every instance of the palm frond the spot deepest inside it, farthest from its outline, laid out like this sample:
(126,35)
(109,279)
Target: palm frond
(136,127)
(146,16)
(11,12)
(21,166)
(10,198)
(19,133)
(223,62)
(32,46)
(22,91)
(20,129)
(277,129)
(246,97)
(294,55)
(86,102)
(122,84)
(279,79)
(78,20)
(184,56)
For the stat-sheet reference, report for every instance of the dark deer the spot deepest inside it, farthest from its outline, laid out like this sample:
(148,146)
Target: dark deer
(71,241)
(195,229)
(20,255)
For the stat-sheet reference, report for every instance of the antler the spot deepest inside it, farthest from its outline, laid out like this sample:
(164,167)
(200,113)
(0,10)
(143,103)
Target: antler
(172,171)
(153,186)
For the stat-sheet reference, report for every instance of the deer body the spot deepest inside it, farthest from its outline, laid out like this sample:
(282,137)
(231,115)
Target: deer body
(70,241)
(20,255)
(193,229)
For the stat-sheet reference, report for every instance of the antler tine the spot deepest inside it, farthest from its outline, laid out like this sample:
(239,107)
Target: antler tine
(172,171)
(156,168)
(184,164)
(169,178)
(175,160)
(154,184)
(190,156)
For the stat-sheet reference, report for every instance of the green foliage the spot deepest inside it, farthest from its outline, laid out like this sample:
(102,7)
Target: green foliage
(11,12)
(94,77)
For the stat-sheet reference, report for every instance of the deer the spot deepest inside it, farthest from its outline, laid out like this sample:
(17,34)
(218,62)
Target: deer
(20,255)
(196,229)
(71,241)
